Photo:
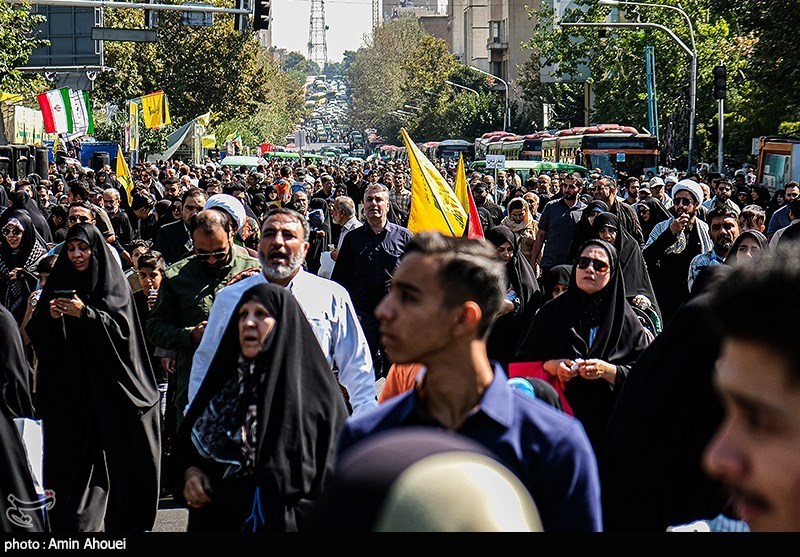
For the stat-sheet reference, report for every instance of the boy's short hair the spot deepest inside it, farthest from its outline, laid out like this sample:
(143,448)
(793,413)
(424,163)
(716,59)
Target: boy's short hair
(153,260)
(469,269)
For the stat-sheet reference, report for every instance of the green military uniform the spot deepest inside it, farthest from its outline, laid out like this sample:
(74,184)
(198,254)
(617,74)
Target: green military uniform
(184,300)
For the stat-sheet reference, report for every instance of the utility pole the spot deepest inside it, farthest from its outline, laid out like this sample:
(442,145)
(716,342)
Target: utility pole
(317,41)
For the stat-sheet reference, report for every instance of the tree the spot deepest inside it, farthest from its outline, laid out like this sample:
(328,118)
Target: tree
(203,69)
(400,80)
(296,62)
(16,44)
(616,64)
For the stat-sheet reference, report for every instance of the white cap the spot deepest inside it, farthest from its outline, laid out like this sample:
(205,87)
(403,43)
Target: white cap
(229,204)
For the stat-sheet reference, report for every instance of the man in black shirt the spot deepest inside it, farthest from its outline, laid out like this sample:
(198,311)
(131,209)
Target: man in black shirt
(480,192)
(365,265)
(173,239)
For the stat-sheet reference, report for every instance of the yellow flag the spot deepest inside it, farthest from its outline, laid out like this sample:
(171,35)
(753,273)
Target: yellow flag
(10,97)
(434,206)
(209,141)
(461,184)
(124,175)
(155,109)
(204,119)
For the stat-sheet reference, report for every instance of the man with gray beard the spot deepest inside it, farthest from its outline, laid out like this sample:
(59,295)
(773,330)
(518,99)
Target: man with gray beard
(326,304)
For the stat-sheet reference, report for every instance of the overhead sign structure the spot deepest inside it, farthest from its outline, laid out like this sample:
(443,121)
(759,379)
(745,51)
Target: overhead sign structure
(124,35)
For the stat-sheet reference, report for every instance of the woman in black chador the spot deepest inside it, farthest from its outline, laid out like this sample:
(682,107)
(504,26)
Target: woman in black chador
(256,446)
(96,393)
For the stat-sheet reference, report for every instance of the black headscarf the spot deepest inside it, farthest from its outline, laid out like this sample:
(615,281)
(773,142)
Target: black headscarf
(583,232)
(299,404)
(561,330)
(666,413)
(117,341)
(21,200)
(559,274)
(755,235)
(31,249)
(657,214)
(259,206)
(508,329)
(631,260)
(15,379)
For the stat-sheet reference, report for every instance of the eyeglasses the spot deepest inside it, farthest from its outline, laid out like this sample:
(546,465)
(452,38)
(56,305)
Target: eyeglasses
(599,266)
(205,256)
(78,218)
(11,231)
(683,201)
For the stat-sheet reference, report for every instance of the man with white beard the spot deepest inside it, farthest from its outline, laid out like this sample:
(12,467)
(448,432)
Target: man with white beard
(326,304)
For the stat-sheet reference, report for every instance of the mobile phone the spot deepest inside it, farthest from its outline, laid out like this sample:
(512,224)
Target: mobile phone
(64,293)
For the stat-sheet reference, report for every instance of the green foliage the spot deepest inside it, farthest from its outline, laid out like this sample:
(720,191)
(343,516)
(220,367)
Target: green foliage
(617,67)
(17,41)
(202,69)
(399,80)
(296,62)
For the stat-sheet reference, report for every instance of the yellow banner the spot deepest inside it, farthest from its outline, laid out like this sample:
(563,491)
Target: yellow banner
(434,205)
(124,175)
(155,109)
(209,141)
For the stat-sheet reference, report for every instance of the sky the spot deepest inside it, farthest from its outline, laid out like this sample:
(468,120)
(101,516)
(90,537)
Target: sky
(347,21)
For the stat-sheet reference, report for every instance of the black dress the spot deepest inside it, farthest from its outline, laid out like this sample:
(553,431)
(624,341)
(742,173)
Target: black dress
(631,260)
(97,397)
(14,293)
(508,329)
(290,405)
(562,329)
(666,413)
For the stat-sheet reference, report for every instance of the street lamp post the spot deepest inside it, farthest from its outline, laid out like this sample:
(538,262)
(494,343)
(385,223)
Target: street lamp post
(462,87)
(507,116)
(692,62)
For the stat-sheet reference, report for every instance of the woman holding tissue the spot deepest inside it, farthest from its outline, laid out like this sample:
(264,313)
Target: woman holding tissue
(588,338)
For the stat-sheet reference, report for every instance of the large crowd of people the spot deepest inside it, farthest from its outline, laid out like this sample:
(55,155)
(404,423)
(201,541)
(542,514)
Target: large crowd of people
(617,347)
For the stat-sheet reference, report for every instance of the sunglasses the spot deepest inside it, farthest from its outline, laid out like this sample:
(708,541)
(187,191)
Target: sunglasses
(205,256)
(599,266)
(683,201)
(75,219)
(10,231)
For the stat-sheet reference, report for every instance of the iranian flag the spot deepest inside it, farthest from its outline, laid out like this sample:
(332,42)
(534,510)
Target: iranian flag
(66,111)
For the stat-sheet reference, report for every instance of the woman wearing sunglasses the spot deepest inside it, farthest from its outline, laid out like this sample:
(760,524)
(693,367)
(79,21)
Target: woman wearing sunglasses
(588,338)
(21,248)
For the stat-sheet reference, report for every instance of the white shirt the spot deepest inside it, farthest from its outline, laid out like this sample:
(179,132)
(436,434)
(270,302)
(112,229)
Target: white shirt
(773,243)
(351,224)
(330,312)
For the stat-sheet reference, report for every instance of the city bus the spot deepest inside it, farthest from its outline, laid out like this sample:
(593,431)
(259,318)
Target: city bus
(452,148)
(611,148)
(482,143)
(532,146)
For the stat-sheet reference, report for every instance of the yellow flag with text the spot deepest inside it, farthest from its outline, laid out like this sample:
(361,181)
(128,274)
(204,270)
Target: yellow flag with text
(434,205)
(124,175)
(155,109)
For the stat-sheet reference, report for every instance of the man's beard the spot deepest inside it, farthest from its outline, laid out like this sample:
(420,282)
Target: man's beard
(723,245)
(278,271)
(570,196)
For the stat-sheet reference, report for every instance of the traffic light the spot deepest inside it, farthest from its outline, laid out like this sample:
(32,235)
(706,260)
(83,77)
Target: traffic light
(151,17)
(261,16)
(720,79)
(241,21)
